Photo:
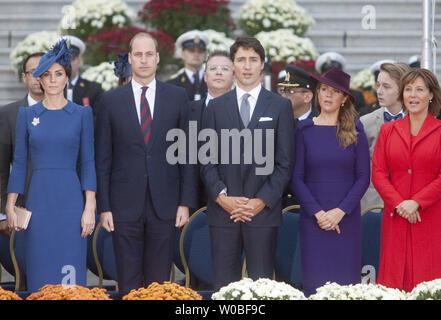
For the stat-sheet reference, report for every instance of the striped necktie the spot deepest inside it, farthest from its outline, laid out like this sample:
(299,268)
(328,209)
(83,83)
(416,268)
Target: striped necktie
(146,116)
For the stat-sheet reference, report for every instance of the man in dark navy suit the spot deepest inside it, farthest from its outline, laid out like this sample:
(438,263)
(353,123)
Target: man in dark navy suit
(245,197)
(141,197)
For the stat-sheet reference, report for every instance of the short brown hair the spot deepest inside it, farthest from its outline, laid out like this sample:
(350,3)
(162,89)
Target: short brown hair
(142,35)
(247,43)
(395,70)
(431,83)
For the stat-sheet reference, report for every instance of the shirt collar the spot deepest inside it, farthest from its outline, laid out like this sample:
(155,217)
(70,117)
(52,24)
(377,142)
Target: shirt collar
(138,86)
(190,74)
(208,98)
(31,100)
(401,111)
(305,115)
(74,81)
(39,108)
(254,92)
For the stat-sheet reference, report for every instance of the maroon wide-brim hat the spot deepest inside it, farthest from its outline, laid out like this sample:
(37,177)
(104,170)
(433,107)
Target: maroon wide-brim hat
(337,79)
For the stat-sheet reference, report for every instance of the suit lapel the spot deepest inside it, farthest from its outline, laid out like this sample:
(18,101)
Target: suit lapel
(233,109)
(131,110)
(379,119)
(158,112)
(403,129)
(261,105)
(430,124)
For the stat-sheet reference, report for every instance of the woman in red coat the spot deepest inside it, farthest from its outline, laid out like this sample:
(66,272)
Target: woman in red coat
(406,171)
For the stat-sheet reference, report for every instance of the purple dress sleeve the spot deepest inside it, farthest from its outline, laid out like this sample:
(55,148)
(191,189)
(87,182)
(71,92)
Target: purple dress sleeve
(307,201)
(362,172)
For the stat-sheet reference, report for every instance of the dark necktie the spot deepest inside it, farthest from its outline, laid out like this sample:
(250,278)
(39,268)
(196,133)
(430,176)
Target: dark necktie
(146,116)
(388,117)
(196,82)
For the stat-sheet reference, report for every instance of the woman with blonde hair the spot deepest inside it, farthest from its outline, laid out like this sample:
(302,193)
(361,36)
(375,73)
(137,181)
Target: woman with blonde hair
(331,174)
(406,171)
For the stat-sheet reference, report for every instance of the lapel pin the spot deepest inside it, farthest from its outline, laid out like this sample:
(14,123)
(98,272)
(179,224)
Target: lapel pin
(35,121)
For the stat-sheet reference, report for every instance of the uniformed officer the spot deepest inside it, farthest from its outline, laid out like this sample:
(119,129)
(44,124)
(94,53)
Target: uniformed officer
(194,46)
(332,59)
(79,90)
(414,61)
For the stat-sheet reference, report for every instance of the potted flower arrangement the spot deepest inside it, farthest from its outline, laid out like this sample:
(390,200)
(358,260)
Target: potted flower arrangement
(428,290)
(68,292)
(103,74)
(8,295)
(106,45)
(334,291)
(261,289)
(268,15)
(40,41)
(283,45)
(365,81)
(165,291)
(178,16)
(87,17)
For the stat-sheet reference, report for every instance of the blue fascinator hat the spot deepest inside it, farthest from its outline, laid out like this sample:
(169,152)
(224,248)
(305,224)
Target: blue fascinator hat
(123,69)
(60,53)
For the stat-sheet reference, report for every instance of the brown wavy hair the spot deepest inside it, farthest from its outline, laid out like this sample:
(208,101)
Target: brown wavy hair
(431,83)
(346,130)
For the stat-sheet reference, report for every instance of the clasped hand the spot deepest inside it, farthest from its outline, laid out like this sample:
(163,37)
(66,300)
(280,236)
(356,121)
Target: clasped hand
(329,220)
(241,208)
(408,209)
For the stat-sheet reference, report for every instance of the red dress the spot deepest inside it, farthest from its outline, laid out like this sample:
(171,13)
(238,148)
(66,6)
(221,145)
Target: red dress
(403,168)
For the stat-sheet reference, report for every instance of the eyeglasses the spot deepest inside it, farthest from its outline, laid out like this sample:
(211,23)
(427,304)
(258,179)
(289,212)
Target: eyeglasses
(30,72)
(290,91)
(223,69)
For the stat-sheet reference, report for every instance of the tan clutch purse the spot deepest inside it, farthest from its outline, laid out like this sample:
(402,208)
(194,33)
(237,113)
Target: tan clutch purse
(23,217)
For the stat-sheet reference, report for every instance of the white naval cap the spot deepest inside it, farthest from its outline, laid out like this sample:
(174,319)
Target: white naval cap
(376,66)
(414,61)
(329,58)
(192,39)
(76,42)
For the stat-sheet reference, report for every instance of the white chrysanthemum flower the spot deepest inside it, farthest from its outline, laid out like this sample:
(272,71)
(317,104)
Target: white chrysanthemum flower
(103,74)
(363,80)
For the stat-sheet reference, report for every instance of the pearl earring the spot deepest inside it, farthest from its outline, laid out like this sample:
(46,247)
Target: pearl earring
(430,101)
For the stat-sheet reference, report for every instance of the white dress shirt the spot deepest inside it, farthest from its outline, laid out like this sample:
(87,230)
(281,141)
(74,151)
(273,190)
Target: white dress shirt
(305,115)
(402,112)
(150,94)
(208,98)
(252,99)
(31,101)
(190,74)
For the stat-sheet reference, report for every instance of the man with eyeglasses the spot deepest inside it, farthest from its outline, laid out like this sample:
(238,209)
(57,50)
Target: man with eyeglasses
(8,118)
(298,86)
(219,78)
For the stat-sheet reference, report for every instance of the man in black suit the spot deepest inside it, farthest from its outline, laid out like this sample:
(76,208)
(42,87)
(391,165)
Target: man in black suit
(142,198)
(298,86)
(194,47)
(79,90)
(219,78)
(8,118)
(244,193)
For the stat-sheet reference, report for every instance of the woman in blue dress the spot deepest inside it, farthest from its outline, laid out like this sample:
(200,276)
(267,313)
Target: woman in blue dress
(55,134)
(330,176)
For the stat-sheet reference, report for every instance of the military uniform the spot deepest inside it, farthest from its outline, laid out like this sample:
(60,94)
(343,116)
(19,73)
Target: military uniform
(193,83)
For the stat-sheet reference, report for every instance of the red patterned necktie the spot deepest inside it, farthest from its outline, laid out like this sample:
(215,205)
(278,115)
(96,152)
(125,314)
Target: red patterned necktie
(146,116)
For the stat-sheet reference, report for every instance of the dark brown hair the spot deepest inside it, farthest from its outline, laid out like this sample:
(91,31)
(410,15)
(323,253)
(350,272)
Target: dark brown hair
(431,83)
(247,43)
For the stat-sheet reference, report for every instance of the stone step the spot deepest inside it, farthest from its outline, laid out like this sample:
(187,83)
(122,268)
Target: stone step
(19,21)
(6,73)
(383,22)
(12,90)
(351,7)
(4,56)
(369,38)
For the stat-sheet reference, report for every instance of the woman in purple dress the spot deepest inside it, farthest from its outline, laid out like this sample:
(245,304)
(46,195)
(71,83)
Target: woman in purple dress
(331,175)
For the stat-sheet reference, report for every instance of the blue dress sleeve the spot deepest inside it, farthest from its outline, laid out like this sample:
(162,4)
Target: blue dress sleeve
(362,172)
(87,151)
(308,203)
(17,178)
